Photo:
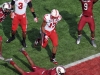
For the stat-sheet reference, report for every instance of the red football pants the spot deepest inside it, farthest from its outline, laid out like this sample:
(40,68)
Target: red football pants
(53,37)
(19,19)
(85,20)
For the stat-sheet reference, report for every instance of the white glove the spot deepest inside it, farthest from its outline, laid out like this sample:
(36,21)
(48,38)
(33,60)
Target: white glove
(81,15)
(36,19)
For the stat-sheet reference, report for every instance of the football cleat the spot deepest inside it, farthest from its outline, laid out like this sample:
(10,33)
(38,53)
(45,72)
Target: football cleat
(23,43)
(1,58)
(54,61)
(78,40)
(93,43)
(8,60)
(21,50)
(36,42)
(10,39)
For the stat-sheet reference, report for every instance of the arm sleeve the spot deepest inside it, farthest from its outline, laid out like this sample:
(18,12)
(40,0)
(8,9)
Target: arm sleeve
(12,2)
(30,4)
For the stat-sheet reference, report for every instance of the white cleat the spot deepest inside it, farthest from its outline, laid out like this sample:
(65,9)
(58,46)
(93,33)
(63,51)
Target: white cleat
(8,60)
(78,40)
(93,43)
(1,58)
(22,49)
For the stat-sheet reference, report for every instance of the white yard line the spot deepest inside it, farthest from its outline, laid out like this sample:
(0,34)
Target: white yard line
(82,60)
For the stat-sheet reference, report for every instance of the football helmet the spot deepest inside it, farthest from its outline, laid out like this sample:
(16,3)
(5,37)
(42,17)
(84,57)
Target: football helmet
(6,6)
(55,13)
(60,70)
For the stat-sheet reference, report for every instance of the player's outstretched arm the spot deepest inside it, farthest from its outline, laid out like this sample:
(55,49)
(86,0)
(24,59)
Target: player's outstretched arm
(27,56)
(10,60)
(32,11)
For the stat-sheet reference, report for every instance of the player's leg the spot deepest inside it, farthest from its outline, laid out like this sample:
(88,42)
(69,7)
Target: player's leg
(24,29)
(15,65)
(43,41)
(1,57)
(15,23)
(80,27)
(54,39)
(27,56)
(92,29)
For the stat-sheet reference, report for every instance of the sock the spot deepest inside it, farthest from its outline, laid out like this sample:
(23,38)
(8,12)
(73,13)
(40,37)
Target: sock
(25,53)
(12,63)
(0,54)
(92,38)
(53,55)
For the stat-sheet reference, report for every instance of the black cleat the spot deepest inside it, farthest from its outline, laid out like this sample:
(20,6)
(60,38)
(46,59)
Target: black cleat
(23,43)
(54,61)
(10,39)
(36,43)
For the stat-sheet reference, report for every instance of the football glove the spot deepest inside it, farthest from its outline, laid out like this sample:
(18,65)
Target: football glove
(36,19)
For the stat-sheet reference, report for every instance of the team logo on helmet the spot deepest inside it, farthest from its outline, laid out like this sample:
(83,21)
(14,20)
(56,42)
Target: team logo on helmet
(60,70)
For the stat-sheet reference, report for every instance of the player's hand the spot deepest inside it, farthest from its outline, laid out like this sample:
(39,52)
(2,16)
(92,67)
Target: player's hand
(36,19)
(80,15)
(12,14)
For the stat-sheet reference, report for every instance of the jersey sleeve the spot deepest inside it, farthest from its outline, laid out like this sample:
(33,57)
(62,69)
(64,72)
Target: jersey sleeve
(46,18)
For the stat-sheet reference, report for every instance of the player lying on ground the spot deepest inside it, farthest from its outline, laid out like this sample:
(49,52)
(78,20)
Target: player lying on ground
(59,70)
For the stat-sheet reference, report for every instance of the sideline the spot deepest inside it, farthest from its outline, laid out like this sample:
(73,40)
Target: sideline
(82,60)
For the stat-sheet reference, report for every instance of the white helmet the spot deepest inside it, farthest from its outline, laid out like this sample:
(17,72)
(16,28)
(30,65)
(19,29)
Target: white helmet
(6,6)
(60,70)
(55,13)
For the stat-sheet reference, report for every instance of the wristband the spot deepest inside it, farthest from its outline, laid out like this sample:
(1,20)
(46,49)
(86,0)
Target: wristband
(34,15)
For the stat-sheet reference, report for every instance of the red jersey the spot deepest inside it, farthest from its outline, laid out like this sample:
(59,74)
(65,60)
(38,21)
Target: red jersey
(41,71)
(87,6)
(2,15)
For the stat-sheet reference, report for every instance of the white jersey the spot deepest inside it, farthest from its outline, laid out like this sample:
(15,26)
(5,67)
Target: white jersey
(51,23)
(20,6)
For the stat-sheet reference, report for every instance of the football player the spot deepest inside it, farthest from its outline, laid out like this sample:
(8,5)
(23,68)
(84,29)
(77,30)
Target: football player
(5,10)
(19,16)
(59,70)
(87,17)
(1,57)
(48,30)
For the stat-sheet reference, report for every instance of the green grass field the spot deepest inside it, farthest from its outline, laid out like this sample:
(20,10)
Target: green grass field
(68,50)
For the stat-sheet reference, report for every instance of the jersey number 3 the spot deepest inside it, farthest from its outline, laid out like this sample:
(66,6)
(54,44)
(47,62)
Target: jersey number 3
(85,6)
(20,5)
